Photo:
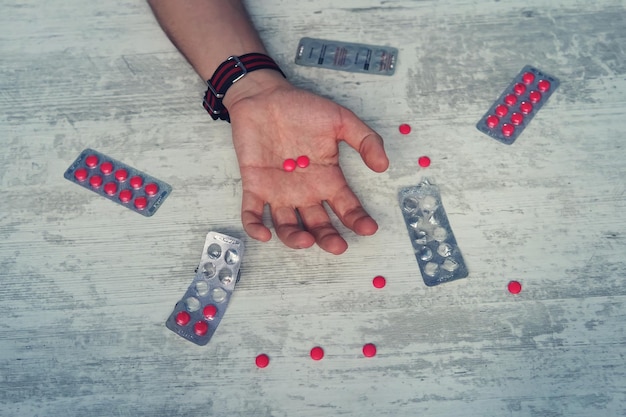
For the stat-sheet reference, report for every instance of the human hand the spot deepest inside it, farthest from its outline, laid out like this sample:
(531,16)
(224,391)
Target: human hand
(271,121)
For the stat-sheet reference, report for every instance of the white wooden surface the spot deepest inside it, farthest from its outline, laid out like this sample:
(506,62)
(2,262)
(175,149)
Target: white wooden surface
(86,285)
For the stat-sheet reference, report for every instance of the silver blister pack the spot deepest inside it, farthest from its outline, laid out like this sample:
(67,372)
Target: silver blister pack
(347,56)
(436,250)
(199,312)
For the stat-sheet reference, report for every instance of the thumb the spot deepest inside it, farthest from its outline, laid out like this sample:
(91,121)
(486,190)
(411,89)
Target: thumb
(364,140)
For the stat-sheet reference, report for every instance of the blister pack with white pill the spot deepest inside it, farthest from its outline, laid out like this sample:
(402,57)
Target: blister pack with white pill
(202,307)
(347,56)
(118,182)
(517,105)
(436,250)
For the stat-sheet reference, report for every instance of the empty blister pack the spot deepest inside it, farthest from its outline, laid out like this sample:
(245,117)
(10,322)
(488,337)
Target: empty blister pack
(347,56)
(438,255)
(118,182)
(517,105)
(199,312)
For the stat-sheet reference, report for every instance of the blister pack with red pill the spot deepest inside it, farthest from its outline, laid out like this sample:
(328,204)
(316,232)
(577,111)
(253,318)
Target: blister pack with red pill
(197,315)
(118,182)
(518,104)
(436,250)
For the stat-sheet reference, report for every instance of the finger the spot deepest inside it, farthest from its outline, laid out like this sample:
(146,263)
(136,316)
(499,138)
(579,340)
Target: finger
(349,210)
(288,229)
(364,140)
(252,217)
(316,221)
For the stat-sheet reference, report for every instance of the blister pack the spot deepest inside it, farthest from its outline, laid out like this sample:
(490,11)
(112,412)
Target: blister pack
(438,255)
(200,310)
(518,104)
(118,182)
(346,56)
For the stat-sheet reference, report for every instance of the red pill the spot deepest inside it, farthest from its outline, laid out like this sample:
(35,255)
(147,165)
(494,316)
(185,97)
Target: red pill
(151,189)
(525,107)
(543,85)
(508,130)
(121,175)
(534,96)
(379,281)
(510,99)
(81,174)
(423,161)
(182,318)
(317,353)
(289,165)
(209,312)
(369,350)
(501,110)
(519,89)
(95,181)
(528,77)
(517,119)
(91,161)
(110,188)
(492,121)
(126,196)
(201,328)
(515,287)
(141,203)
(303,161)
(136,182)
(106,168)
(405,129)
(262,360)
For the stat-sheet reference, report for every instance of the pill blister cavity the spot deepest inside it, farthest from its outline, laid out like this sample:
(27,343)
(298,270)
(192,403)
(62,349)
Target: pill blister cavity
(202,288)
(410,205)
(421,237)
(428,204)
(440,234)
(444,250)
(226,276)
(214,251)
(426,254)
(218,294)
(208,269)
(231,256)
(431,269)
(450,265)
(193,304)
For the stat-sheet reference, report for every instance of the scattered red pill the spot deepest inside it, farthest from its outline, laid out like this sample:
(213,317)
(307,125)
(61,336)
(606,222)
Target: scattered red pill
(528,77)
(110,188)
(515,287)
(121,175)
(201,328)
(423,161)
(508,130)
(81,174)
(379,281)
(136,182)
(517,119)
(182,318)
(510,99)
(209,312)
(501,110)
(519,89)
(95,181)
(317,353)
(151,189)
(106,168)
(492,121)
(534,96)
(543,85)
(405,129)
(303,161)
(91,161)
(262,360)
(289,165)
(525,107)
(369,350)
(141,203)
(126,196)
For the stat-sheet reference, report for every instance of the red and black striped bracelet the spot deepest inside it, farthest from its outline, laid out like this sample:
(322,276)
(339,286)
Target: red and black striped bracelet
(228,73)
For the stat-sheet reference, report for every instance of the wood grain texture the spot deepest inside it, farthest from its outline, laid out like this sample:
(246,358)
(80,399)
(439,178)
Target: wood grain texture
(86,286)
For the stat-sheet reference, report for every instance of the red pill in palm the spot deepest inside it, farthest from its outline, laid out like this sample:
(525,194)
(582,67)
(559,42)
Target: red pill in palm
(303,161)
(289,165)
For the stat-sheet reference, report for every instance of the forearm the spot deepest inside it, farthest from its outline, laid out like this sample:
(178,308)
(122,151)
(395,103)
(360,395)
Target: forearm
(207,31)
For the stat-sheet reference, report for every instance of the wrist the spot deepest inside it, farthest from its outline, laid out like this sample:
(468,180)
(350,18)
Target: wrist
(253,84)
